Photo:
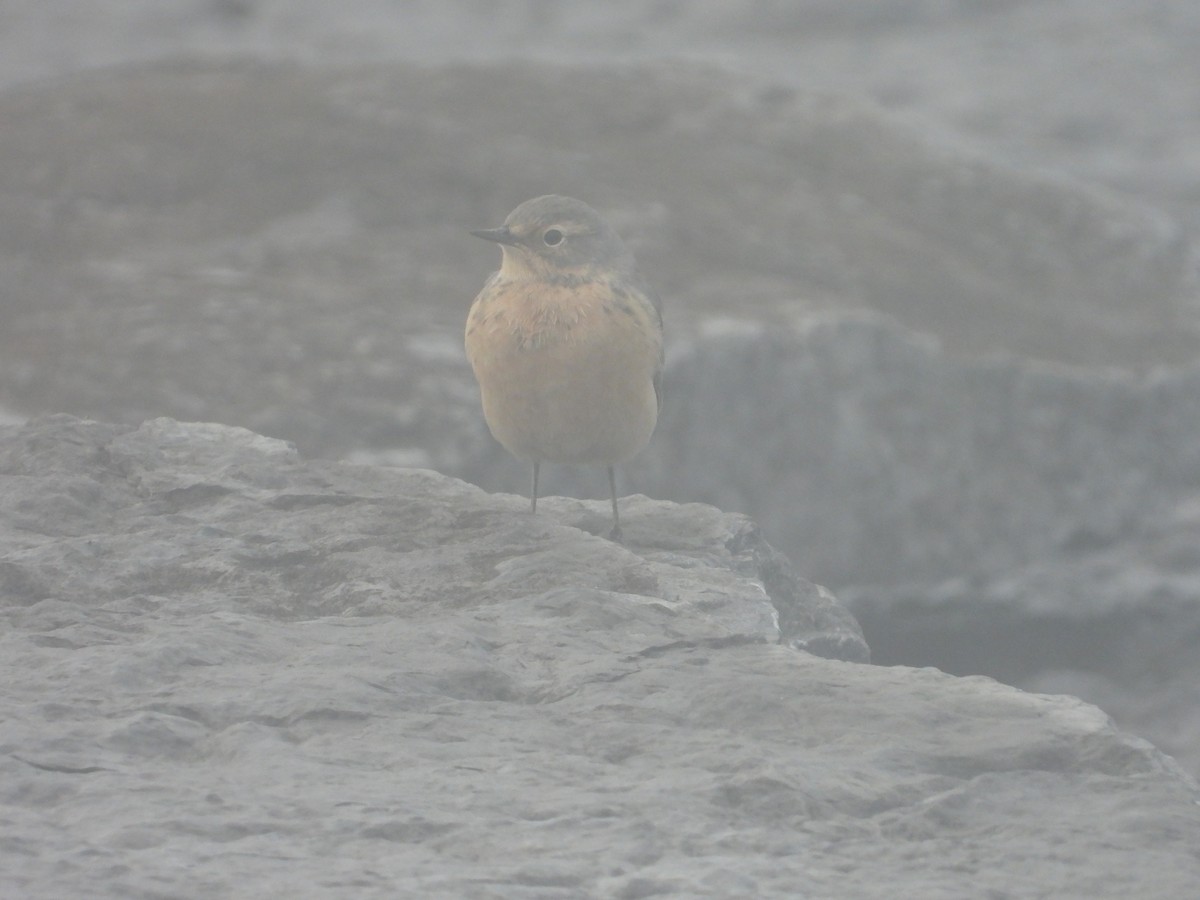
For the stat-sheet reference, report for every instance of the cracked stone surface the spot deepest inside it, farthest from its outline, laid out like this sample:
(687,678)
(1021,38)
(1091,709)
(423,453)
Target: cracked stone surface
(231,671)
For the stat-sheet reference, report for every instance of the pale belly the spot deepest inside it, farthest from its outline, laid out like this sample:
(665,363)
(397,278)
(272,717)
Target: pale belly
(579,392)
(542,409)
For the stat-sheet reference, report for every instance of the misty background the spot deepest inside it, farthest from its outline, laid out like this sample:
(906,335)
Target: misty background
(929,270)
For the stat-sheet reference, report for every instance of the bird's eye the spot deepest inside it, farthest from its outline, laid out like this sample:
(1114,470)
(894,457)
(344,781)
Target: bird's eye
(553,237)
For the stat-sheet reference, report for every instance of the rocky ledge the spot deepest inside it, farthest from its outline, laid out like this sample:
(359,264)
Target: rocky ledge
(233,672)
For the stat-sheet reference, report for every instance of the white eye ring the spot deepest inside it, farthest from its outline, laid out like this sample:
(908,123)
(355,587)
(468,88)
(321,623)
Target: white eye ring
(553,237)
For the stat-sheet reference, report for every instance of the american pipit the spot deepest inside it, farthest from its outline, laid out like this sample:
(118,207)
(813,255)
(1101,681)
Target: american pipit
(566,342)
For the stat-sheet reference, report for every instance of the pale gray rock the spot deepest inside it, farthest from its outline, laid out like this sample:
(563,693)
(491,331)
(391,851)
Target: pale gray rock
(1032,522)
(365,529)
(1120,111)
(912,464)
(232,672)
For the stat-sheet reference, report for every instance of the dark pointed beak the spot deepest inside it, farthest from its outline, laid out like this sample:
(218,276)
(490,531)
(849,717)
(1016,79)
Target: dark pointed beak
(499,235)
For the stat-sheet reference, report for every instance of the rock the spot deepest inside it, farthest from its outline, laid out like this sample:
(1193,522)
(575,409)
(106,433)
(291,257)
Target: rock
(914,465)
(1030,522)
(215,494)
(231,671)
(966,73)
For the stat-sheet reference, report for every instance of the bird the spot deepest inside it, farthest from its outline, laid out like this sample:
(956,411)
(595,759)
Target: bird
(566,342)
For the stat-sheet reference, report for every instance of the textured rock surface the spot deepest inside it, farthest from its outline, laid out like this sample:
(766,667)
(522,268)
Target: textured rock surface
(1035,523)
(232,672)
(702,567)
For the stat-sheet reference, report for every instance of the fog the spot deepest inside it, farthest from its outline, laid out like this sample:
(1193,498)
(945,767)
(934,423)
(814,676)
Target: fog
(930,278)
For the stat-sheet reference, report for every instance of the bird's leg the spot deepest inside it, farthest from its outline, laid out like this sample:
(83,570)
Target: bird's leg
(533,490)
(615,534)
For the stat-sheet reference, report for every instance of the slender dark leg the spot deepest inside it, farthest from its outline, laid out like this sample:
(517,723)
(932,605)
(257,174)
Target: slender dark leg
(533,489)
(615,534)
